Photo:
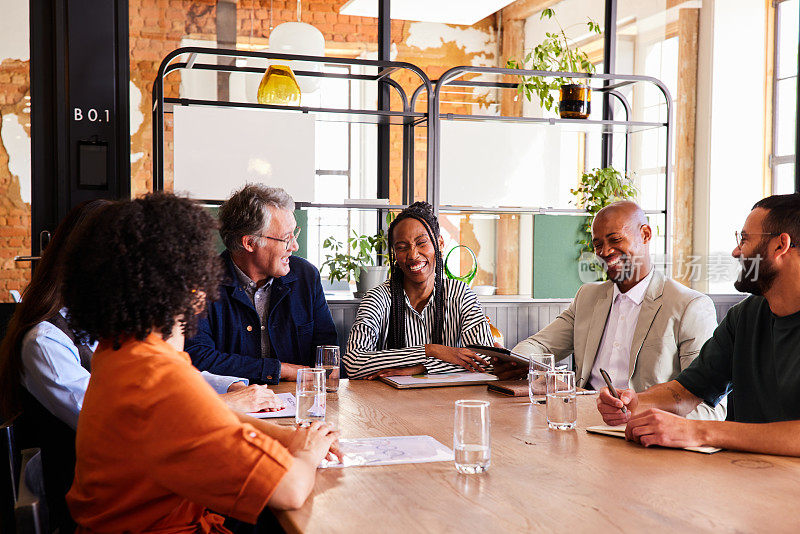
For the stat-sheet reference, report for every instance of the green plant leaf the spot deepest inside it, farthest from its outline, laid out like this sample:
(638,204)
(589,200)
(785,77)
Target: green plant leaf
(597,189)
(552,54)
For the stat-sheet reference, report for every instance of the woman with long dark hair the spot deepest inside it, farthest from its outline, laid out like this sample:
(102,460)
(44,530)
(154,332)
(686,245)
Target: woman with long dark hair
(39,314)
(44,367)
(417,321)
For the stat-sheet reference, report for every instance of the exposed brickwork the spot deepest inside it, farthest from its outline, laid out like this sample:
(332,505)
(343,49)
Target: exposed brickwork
(15,215)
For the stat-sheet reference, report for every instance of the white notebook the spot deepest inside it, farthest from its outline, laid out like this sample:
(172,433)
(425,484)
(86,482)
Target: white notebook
(465,378)
(619,432)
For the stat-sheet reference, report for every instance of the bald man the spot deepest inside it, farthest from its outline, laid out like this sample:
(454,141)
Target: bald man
(639,326)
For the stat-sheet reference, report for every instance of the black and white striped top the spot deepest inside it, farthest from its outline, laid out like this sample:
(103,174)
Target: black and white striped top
(464,324)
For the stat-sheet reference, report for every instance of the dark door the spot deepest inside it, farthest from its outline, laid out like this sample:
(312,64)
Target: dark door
(80,140)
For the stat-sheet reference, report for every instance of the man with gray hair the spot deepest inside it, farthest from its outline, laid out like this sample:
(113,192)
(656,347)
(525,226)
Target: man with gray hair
(271,313)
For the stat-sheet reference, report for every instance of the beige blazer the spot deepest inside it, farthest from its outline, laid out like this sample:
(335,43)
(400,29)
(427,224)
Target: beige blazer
(673,324)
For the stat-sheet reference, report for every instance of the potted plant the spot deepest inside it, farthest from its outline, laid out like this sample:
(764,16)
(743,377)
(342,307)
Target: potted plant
(359,263)
(596,190)
(555,54)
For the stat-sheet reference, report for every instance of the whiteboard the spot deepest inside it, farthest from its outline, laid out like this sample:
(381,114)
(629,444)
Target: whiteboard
(218,150)
(494,163)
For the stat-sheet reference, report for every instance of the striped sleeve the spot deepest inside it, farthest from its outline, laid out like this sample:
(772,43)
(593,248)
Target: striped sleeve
(362,358)
(466,325)
(434,365)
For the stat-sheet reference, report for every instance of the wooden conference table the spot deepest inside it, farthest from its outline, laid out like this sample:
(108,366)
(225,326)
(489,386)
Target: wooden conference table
(540,480)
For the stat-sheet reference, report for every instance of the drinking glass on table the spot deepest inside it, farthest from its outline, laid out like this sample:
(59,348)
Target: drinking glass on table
(538,366)
(562,407)
(471,436)
(310,396)
(328,359)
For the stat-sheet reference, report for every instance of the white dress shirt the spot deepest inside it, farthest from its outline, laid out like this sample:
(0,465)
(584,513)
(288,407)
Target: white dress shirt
(52,371)
(614,353)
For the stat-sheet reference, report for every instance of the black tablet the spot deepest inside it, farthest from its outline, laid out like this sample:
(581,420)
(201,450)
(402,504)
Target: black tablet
(500,353)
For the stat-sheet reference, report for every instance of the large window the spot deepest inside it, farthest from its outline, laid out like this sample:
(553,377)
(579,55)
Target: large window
(784,96)
(334,166)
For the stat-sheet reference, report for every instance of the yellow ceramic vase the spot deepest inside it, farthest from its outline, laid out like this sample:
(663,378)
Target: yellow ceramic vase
(279,87)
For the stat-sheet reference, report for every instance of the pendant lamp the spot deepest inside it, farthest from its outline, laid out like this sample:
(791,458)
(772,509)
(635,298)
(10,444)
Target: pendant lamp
(303,39)
(279,86)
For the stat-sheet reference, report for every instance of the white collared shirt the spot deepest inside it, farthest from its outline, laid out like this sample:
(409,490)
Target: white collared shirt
(614,353)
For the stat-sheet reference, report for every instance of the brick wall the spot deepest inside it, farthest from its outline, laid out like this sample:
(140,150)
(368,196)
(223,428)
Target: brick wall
(15,215)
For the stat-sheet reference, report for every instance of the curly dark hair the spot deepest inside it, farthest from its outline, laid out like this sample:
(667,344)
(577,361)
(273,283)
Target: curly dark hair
(139,266)
(396,337)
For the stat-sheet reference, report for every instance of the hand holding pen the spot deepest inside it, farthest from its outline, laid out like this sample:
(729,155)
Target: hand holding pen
(615,405)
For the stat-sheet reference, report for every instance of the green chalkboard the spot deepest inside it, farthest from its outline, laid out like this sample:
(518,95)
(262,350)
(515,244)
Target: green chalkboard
(301,216)
(555,255)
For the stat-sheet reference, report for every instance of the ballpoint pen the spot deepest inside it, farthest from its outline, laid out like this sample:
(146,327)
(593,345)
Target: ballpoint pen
(611,387)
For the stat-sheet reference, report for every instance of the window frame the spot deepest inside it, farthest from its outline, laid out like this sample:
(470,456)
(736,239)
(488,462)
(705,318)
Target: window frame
(774,161)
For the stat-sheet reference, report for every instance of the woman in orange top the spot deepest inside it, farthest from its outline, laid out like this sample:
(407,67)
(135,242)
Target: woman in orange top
(156,447)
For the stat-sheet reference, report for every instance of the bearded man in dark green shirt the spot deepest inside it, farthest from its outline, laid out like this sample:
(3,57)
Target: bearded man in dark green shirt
(754,353)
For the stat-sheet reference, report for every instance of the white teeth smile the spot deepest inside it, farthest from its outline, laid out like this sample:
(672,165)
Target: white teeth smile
(416,267)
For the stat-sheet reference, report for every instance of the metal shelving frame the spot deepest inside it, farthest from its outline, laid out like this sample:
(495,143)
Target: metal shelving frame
(187,58)
(611,84)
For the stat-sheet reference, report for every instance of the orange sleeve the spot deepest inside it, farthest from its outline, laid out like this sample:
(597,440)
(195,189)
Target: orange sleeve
(196,447)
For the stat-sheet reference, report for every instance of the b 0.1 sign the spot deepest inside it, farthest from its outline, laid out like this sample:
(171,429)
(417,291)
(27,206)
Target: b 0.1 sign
(91,114)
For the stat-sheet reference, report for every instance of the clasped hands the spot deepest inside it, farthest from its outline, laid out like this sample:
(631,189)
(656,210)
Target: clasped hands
(647,426)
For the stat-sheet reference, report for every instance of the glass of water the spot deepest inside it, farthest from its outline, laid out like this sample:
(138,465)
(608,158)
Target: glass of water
(562,407)
(328,359)
(310,396)
(471,436)
(538,366)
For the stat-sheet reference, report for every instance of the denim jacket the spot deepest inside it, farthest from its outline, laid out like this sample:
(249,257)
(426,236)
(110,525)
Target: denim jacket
(228,338)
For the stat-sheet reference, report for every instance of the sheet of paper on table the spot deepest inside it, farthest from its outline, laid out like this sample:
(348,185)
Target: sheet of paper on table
(289,410)
(619,432)
(390,451)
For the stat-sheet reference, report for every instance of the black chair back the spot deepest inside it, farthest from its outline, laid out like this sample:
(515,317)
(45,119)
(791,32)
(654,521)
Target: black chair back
(31,507)
(40,428)
(9,475)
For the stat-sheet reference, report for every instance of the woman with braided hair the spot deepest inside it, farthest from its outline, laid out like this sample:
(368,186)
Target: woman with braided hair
(417,321)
